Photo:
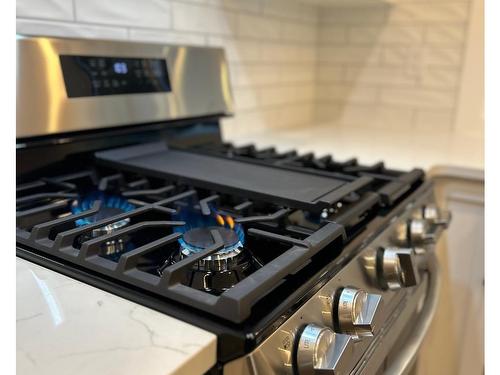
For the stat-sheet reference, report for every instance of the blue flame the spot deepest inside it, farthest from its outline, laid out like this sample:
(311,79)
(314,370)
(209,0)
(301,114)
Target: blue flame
(195,219)
(107,201)
(227,249)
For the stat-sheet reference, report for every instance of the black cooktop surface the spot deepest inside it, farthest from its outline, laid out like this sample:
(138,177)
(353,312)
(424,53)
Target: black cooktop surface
(229,235)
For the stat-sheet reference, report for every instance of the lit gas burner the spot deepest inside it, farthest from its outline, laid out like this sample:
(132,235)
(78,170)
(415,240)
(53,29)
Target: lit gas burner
(111,205)
(223,269)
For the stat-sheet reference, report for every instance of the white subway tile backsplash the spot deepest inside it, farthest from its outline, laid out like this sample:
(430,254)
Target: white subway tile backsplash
(254,75)
(441,56)
(288,53)
(330,73)
(258,27)
(166,36)
(268,75)
(247,122)
(419,98)
(296,115)
(46,9)
(387,35)
(346,93)
(391,65)
(306,54)
(440,78)
(305,93)
(407,55)
(332,34)
(455,11)
(67,29)
(278,52)
(381,76)
(296,74)
(278,95)
(391,117)
(365,115)
(192,17)
(238,50)
(272,96)
(356,15)
(290,9)
(349,54)
(327,112)
(245,98)
(297,32)
(238,5)
(434,120)
(445,34)
(146,13)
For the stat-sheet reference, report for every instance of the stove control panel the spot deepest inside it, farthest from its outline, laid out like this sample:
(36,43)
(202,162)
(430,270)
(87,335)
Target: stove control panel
(354,314)
(320,349)
(100,75)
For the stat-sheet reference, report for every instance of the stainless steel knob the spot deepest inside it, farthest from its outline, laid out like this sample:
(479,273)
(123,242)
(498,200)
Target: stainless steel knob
(356,312)
(435,216)
(321,351)
(414,232)
(397,267)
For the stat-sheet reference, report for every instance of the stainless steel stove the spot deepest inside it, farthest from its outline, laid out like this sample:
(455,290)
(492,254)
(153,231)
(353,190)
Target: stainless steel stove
(299,264)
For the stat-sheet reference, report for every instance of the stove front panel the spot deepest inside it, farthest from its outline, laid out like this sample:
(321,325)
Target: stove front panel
(353,352)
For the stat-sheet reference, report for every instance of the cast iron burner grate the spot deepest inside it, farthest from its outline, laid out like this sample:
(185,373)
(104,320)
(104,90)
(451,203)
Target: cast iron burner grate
(194,244)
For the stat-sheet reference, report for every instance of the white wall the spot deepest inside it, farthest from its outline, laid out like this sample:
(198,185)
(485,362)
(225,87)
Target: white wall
(270,44)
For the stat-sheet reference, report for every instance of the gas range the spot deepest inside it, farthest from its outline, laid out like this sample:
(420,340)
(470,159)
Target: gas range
(299,264)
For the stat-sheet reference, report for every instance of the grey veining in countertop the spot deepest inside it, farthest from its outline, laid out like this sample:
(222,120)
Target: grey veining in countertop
(67,327)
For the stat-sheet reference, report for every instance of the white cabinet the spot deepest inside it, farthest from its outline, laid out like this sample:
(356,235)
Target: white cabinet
(454,344)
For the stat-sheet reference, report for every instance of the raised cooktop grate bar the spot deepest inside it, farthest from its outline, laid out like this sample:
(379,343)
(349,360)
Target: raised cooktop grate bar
(241,297)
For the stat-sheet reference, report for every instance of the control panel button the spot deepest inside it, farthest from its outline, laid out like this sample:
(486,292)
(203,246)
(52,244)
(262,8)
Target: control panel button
(397,267)
(319,350)
(113,75)
(356,312)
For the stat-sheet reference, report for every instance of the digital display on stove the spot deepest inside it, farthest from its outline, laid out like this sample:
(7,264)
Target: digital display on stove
(97,75)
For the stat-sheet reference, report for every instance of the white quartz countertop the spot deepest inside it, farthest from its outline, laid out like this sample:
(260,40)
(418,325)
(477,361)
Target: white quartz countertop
(398,149)
(68,327)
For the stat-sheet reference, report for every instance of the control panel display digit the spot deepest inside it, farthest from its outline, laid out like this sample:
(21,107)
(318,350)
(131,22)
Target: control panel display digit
(97,75)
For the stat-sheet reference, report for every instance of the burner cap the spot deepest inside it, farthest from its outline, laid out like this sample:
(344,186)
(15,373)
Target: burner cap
(199,239)
(111,205)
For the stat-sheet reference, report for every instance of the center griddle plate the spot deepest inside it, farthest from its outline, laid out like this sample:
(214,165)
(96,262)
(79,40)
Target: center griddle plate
(268,183)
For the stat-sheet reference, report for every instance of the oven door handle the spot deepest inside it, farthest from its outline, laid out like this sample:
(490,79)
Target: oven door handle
(402,363)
